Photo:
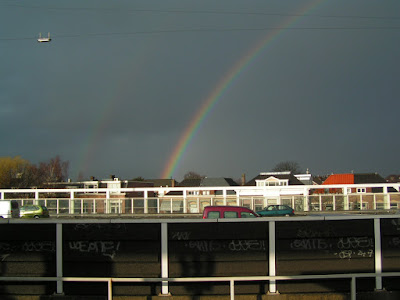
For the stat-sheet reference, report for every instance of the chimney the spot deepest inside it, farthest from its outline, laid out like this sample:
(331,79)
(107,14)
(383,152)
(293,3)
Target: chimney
(172,182)
(243,179)
(112,177)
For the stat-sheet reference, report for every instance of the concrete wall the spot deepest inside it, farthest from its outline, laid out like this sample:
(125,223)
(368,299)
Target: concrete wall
(198,248)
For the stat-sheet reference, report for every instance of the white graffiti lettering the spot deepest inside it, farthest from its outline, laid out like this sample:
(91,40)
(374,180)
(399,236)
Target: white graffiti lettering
(180,236)
(310,244)
(355,242)
(105,248)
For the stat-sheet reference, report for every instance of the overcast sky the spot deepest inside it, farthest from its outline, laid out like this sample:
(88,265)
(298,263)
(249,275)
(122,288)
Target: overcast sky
(121,81)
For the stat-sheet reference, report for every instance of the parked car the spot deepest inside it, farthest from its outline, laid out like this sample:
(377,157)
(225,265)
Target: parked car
(217,212)
(9,209)
(276,210)
(34,211)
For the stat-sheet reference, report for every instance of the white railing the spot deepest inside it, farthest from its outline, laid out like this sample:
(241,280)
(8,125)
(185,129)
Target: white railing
(193,199)
(109,280)
(195,205)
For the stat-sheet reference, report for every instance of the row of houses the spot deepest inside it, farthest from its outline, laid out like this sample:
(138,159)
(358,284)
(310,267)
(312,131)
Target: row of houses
(302,191)
(286,178)
(204,186)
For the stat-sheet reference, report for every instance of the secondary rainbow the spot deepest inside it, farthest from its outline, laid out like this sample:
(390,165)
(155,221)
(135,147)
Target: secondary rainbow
(227,80)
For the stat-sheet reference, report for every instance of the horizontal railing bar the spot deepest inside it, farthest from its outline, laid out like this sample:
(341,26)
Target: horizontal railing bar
(202,279)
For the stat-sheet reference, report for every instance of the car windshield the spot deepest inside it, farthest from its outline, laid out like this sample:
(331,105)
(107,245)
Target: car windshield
(245,214)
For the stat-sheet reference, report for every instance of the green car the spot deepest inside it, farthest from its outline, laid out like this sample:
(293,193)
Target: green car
(276,210)
(34,211)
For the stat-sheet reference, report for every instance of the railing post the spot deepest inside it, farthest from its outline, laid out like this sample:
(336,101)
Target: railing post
(71,206)
(345,199)
(232,289)
(146,202)
(36,198)
(184,202)
(59,257)
(109,283)
(224,195)
(108,209)
(378,254)
(320,203)
(386,198)
(306,200)
(272,257)
(164,258)
(353,289)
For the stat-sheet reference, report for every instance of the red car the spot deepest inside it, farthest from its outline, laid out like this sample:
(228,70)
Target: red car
(217,212)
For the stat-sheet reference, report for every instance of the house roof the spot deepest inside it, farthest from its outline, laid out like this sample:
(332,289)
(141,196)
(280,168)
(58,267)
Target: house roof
(393,178)
(319,179)
(190,182)
(350,178)
(162,182)
(221,181)
(368,178)
(340,179)
(207,182)
(279,175)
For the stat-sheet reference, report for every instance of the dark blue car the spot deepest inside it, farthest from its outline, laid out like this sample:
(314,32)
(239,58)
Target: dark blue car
(276,210)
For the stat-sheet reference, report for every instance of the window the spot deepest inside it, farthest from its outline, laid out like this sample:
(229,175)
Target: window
(230,214)
(245,214)
(91,186)
(213,215)
(272,182)
(361,190)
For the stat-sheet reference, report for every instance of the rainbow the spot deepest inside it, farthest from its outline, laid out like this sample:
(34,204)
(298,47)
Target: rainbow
(227,80)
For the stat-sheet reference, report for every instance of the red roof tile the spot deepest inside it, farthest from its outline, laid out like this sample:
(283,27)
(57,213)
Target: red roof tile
(340,179)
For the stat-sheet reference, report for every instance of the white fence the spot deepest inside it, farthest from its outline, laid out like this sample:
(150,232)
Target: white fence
(194,199)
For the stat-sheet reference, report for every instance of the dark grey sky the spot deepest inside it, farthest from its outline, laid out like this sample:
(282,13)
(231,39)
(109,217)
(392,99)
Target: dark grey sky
(121,81)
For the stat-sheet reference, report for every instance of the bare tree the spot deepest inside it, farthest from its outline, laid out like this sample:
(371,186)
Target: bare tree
(193,175)
(53,171)
(14,172)
(292,166)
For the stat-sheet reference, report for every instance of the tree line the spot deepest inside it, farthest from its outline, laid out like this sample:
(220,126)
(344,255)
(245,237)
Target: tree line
(16,172)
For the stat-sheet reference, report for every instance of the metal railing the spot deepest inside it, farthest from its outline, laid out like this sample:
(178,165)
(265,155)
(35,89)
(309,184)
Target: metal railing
(110,280)
(192,199)
(171,205)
